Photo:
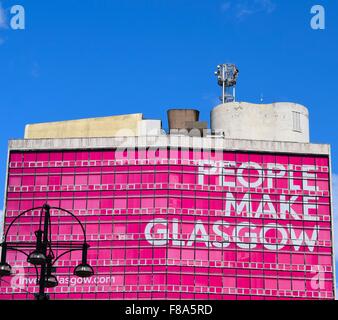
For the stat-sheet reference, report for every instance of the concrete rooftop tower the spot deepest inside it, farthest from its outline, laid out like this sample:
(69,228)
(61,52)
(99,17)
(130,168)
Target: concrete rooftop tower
(282,121)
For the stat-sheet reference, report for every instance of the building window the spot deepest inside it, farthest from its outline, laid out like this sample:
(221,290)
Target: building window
(296,121)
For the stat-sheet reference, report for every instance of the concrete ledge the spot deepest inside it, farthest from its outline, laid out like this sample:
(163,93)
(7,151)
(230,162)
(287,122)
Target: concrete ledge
(170,141)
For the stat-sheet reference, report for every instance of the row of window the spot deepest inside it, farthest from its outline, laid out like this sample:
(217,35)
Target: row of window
(182,290)
(123,185)
(149,189)
(182,228)
(96,215)
(193,267)
(154,197)
(200,259)
(256,170)
(263,171)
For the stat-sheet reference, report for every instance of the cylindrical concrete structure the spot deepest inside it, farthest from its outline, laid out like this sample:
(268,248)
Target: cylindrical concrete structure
(282,121)
(178,118)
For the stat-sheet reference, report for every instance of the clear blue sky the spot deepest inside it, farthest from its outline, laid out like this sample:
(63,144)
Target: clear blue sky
(78,59)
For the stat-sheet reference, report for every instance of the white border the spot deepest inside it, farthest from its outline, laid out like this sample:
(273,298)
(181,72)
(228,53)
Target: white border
(332,229)
(5,199)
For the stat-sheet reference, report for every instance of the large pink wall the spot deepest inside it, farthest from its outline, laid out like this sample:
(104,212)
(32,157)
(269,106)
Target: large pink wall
(178,224)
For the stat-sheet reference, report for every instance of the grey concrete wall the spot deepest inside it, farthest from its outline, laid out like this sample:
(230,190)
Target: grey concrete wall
(150,128)
(171,141)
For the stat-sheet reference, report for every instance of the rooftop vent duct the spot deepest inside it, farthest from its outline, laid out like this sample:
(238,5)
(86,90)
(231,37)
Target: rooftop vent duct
(181,118)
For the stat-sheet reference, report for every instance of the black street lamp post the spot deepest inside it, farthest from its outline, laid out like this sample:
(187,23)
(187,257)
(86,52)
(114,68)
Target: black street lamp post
(42,255)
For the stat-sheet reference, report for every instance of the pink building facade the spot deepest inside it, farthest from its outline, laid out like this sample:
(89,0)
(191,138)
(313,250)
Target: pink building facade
(177,223)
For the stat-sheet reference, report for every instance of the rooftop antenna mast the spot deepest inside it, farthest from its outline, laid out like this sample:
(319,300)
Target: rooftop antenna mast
(227,74)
